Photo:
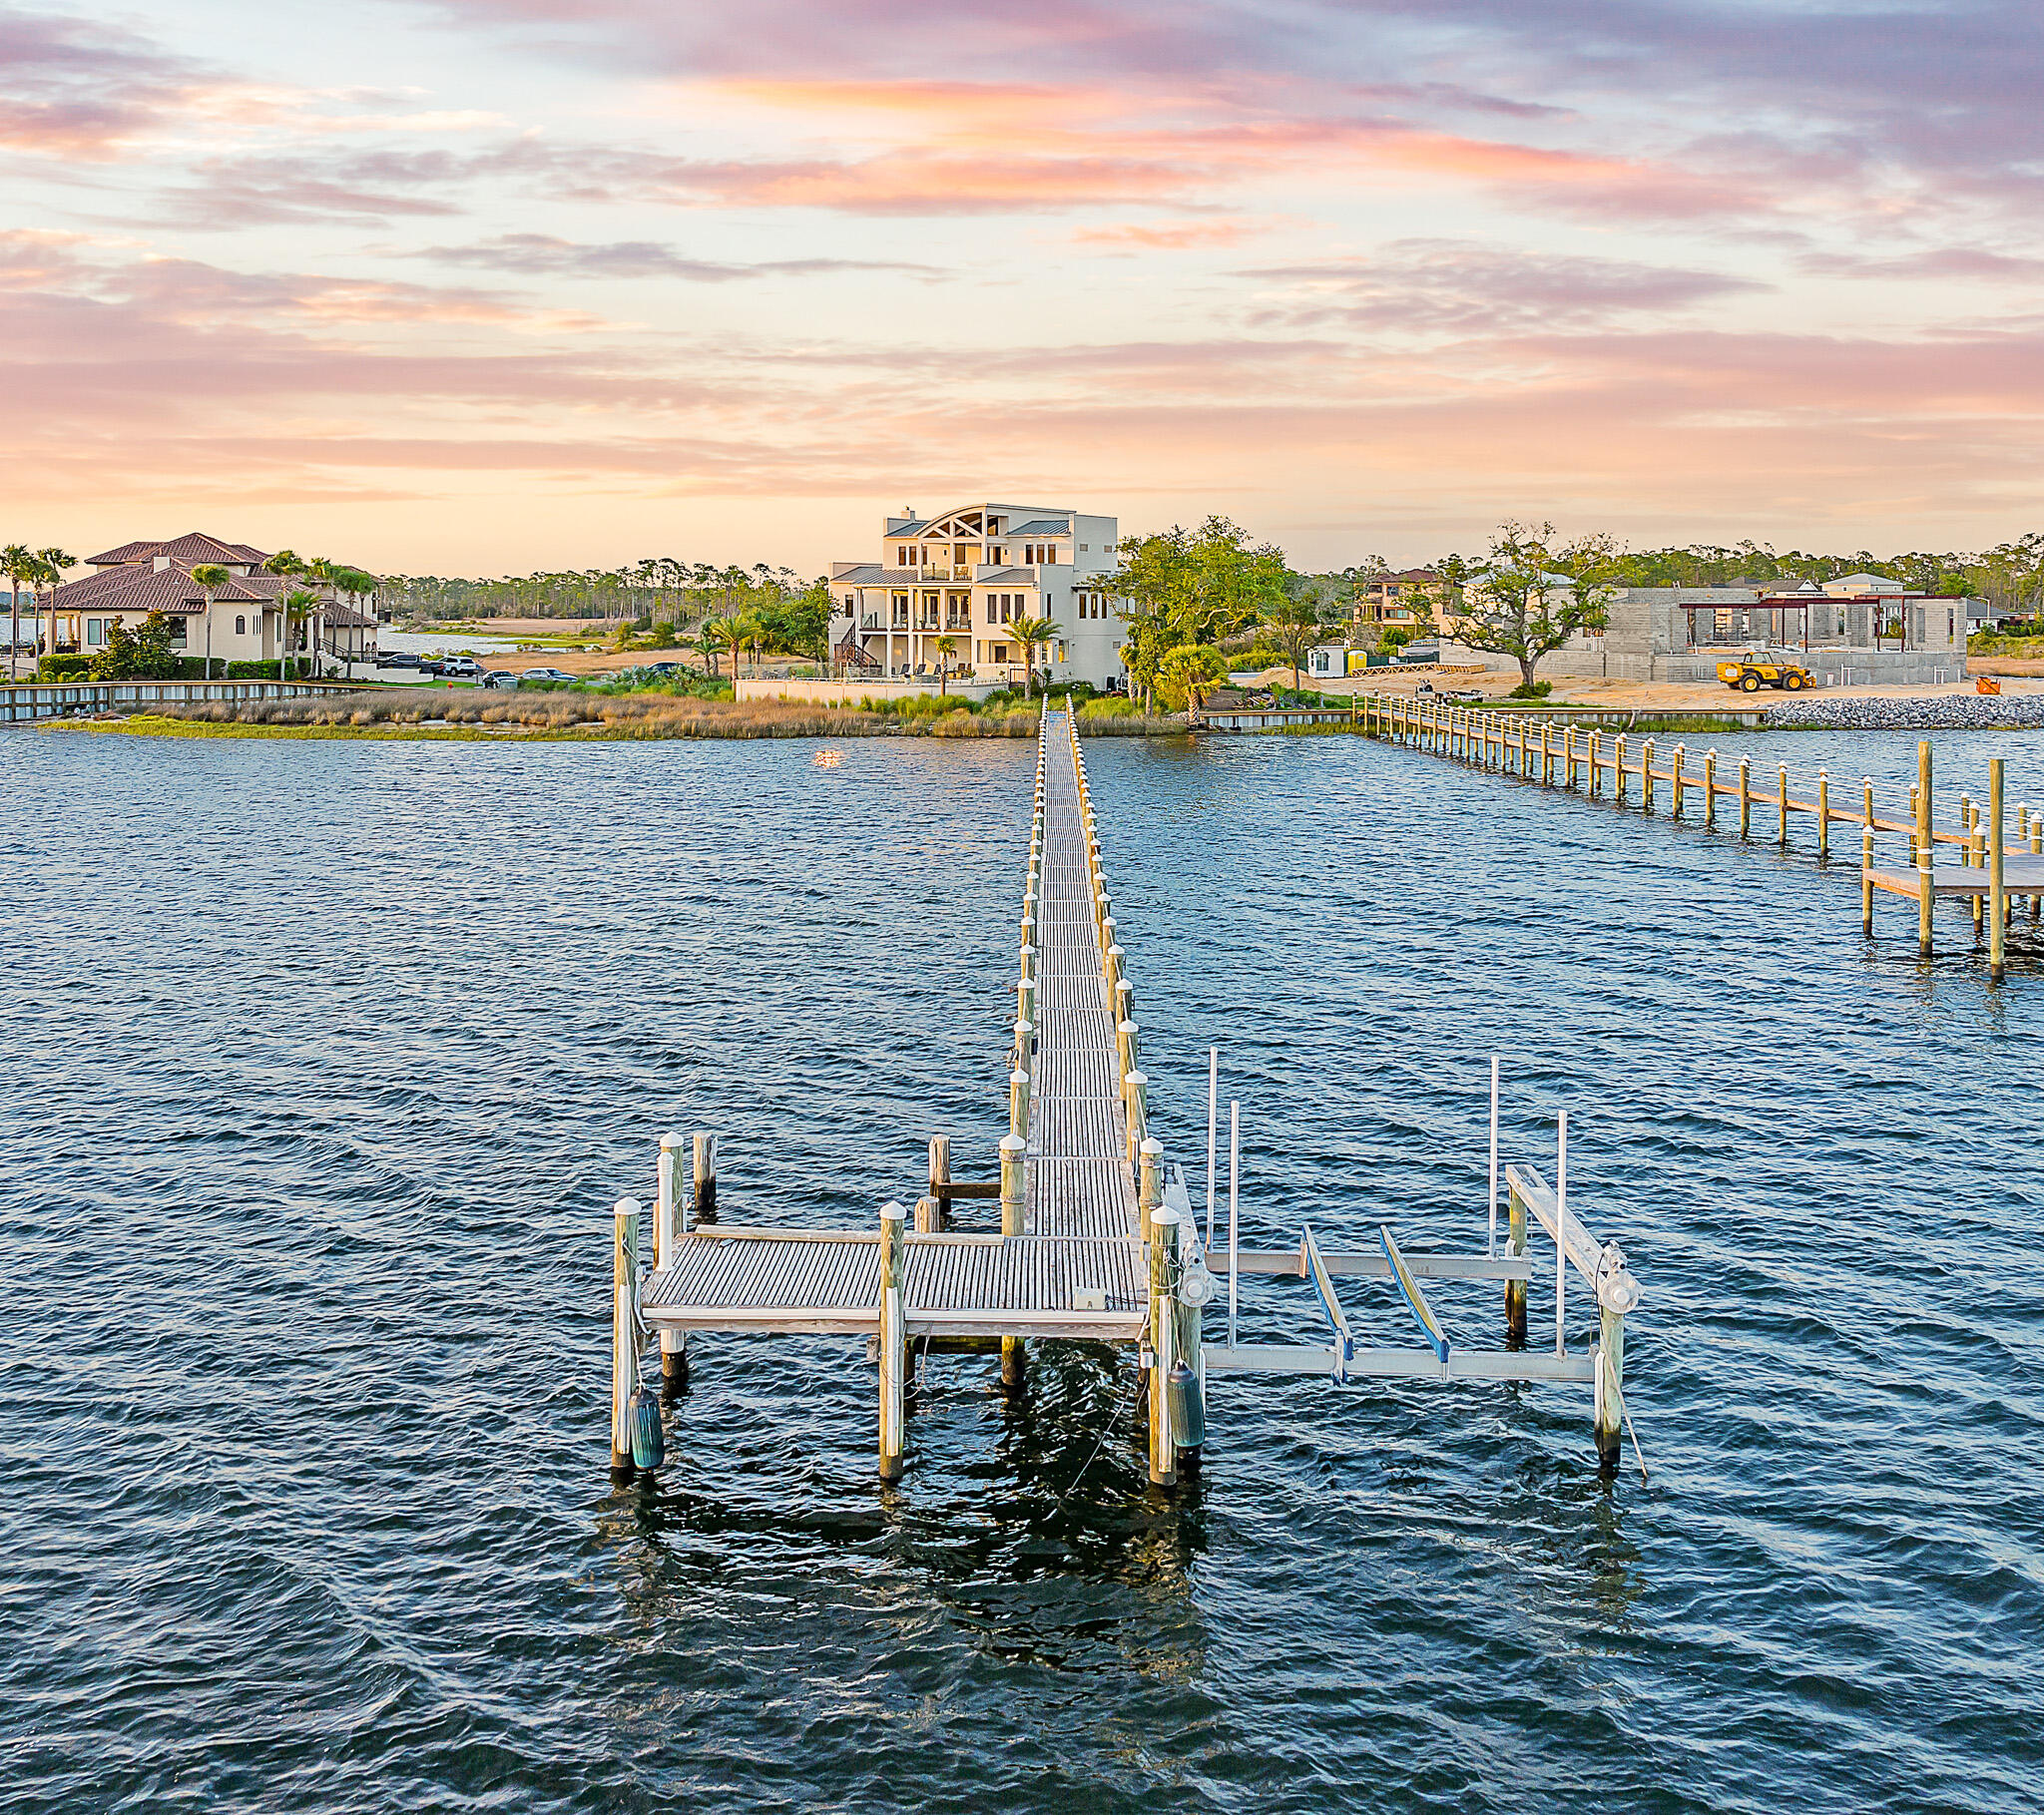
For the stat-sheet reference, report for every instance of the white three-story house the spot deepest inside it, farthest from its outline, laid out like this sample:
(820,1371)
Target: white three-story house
(968,574)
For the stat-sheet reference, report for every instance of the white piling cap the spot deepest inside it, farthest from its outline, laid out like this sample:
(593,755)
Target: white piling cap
(627,1207)
(673,1139)
(894,1212)
(1153,1148)
(1135,1077)
(1129,1027)
(1162,1218)
(1012,1144)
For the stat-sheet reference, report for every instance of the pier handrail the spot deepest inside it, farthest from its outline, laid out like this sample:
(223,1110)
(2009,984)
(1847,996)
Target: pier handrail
(1601,1264)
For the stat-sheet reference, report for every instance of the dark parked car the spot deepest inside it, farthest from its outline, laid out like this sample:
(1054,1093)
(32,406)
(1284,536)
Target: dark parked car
(544,677)
(396,658)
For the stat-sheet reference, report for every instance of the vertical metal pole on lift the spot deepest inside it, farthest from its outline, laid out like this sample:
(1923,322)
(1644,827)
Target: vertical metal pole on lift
(1213,1106)
(1490,1242)
(1233,1243)
(1561,1223)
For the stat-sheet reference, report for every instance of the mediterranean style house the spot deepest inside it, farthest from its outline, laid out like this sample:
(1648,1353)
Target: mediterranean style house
(243,623)
(969,573)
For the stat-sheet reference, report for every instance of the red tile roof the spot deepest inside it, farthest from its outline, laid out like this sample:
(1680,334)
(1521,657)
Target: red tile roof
(150,589)
(191,547)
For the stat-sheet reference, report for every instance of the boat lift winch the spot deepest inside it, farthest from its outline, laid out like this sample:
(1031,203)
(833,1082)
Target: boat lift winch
(1528,1200)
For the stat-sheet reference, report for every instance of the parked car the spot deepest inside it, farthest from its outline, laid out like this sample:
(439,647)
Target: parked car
(499,677)
(543,677)
(460,668)
(396,658)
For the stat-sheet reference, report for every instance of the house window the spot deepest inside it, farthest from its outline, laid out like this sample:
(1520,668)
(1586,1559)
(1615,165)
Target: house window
(242,625)
(95,629)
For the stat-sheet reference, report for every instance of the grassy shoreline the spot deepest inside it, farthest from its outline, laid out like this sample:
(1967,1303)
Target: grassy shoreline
(582,716)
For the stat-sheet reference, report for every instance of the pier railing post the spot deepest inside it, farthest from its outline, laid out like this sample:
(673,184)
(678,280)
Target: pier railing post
(893,1336)
(1674,779)
(1647,776)
(1711,789)
(1823,813)
(1136,1113)
(1126,1036)
(1618,775)
(1745,798)
(1997,887)
(624,1329)
(703,1209)
(1018,1103)
(1866,882)
(1781,801)
(668,1229)
(1012,1187)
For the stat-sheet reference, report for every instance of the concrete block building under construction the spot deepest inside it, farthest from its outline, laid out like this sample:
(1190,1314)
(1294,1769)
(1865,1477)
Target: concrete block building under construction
(969,575)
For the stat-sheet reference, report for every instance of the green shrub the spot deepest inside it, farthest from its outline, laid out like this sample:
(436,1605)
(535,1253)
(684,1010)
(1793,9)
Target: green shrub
(299,669)
(64,667)
(1538,691)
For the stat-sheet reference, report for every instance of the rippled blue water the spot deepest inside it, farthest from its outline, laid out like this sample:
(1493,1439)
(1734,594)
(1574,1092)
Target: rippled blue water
(324,1062)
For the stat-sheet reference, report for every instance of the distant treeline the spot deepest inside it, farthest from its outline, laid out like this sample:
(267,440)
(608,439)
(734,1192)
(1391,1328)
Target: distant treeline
(658,589)
(2010,576)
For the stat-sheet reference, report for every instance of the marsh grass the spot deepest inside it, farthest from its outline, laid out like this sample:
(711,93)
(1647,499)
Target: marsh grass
(418,712)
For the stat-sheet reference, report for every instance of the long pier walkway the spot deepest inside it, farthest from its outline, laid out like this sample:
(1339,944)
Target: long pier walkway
(1068,1258)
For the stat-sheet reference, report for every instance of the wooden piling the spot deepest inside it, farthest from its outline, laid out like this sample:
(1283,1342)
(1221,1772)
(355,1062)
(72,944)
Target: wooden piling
(1997,886)
(1781,801)
(1160,1227)
(1018,1103)
(1647,776)
(1923,802)
(1515,1243)
(624,1329)
(1823,814)
(893,1337)
(941,1176)
(1609,1404)
(1013,1190)
(703,1209)
(1925,859)
(1710,790)
(668,1229)
(1618,776)
(1866,882)
(1745,798)
(2036,850)
(1675,783)
(1136,1113)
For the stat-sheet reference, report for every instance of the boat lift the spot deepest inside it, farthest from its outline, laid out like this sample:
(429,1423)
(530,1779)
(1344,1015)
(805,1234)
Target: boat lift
(1528,1200)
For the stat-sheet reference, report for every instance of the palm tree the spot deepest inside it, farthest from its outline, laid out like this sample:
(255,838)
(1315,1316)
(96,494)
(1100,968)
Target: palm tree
(20,566)
(732,632)
(1033,634)
(54,561)
(285,566)
(946,647)
(209,579)
(299,605)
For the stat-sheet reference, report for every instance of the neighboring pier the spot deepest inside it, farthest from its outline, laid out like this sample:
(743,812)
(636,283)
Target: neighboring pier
(1093,1243)
(1992,870)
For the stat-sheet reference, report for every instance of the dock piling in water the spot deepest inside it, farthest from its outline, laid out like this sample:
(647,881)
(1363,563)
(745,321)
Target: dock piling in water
(704,1210)
(893,1337)
(669,1226)
(624,1329)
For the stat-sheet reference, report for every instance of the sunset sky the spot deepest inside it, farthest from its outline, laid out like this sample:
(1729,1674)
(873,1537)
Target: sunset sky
(481,285)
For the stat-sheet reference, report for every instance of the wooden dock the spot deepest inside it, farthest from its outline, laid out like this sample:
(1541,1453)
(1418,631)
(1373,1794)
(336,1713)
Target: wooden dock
(1093,1242)
(1992,870)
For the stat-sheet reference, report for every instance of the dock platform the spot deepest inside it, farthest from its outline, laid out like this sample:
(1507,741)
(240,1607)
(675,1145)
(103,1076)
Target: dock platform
(1074,1265)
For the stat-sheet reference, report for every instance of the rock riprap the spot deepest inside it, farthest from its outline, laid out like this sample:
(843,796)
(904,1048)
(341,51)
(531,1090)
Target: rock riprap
(1946,712)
